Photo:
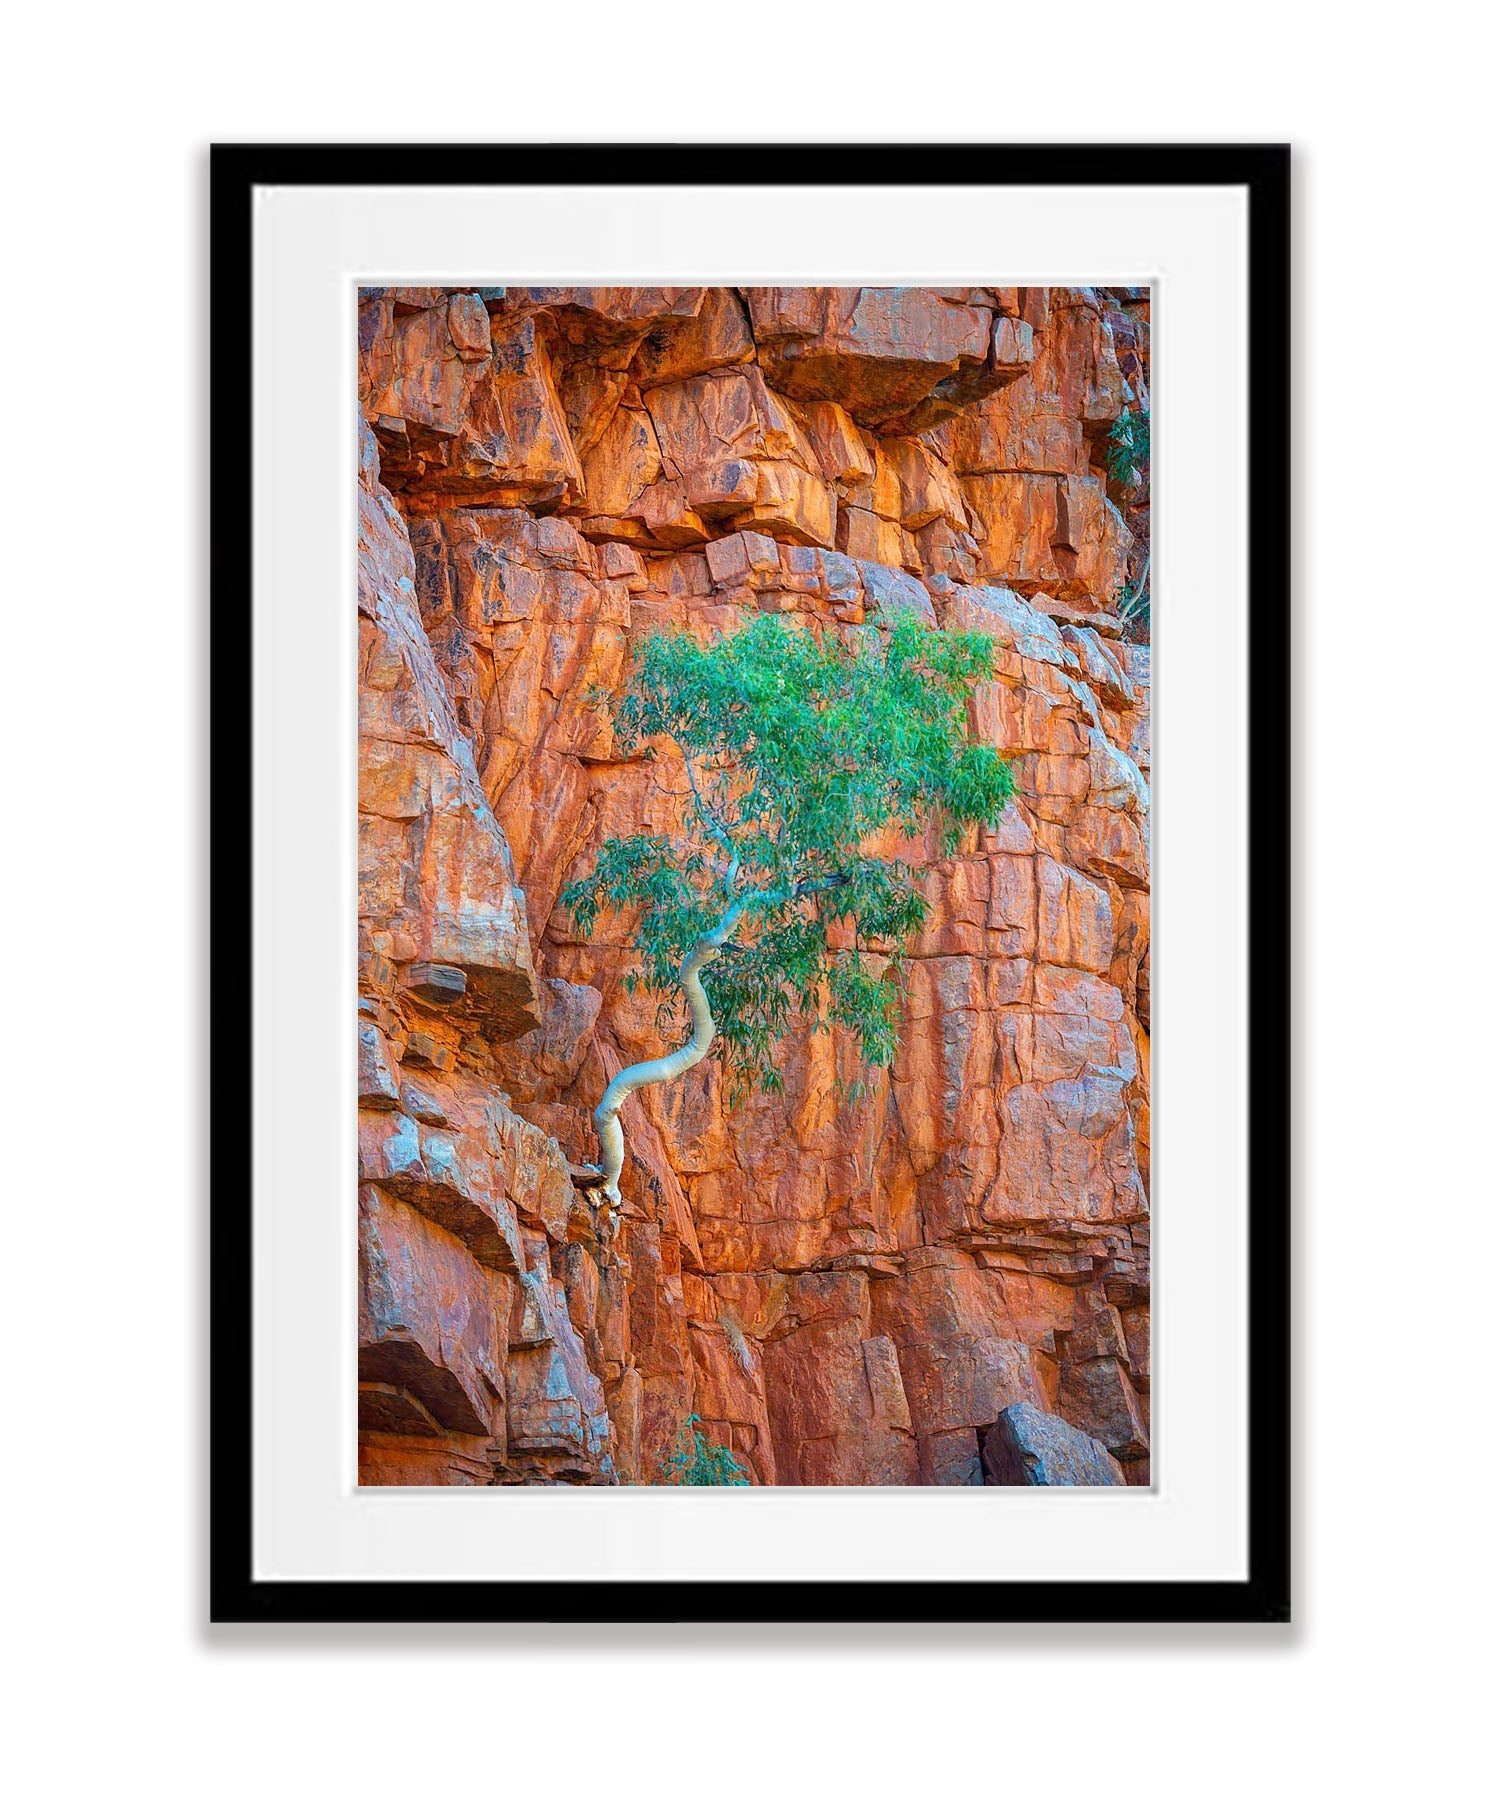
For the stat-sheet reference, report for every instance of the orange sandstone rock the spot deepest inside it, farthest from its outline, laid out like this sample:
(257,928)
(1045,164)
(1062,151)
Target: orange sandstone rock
(846,1293)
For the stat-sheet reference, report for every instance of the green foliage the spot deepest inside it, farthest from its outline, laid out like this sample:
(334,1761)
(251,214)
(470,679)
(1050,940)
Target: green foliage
(697,1463)
(1127,451)
(800,752)
(1127,457)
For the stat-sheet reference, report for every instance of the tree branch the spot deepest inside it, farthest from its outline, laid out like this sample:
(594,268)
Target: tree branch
(714,823)
(821,885)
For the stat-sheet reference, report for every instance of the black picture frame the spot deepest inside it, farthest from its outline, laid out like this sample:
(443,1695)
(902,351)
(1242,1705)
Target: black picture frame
(1263,171)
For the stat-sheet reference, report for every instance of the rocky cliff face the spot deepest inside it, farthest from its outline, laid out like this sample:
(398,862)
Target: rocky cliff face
(845,1293)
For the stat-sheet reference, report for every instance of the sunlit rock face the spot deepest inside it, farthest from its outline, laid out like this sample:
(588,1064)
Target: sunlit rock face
(844,1292)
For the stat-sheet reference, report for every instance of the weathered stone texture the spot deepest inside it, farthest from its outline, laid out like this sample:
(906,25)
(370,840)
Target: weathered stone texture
(845,1293)
(1029,1448)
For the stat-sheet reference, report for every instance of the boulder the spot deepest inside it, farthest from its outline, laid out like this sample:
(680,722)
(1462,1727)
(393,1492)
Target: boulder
(1027,1447)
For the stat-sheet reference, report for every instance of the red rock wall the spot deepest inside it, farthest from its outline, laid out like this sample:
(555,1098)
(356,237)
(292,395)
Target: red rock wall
(845,1293)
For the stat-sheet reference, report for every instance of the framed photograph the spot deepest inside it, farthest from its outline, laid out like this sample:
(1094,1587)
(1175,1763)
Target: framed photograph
(751,926)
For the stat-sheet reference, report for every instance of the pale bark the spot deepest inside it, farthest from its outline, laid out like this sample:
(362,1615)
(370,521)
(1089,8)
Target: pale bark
(660,1068)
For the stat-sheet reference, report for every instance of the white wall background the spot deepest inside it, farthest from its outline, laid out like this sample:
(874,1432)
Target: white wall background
(1380,1688)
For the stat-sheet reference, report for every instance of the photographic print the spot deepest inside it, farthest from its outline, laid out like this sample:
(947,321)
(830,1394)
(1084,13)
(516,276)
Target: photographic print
(754,886)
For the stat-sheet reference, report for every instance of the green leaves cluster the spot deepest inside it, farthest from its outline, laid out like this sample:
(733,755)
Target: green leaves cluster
(801,751)
(697,1463)
(1128,447)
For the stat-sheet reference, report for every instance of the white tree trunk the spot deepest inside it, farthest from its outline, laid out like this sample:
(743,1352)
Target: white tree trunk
(660,1068)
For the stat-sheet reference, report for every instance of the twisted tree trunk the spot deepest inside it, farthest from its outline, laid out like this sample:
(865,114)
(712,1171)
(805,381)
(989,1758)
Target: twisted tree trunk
(660,1068)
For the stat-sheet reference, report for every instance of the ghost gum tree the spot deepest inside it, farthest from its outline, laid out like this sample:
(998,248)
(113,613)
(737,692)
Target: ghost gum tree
(802,752)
